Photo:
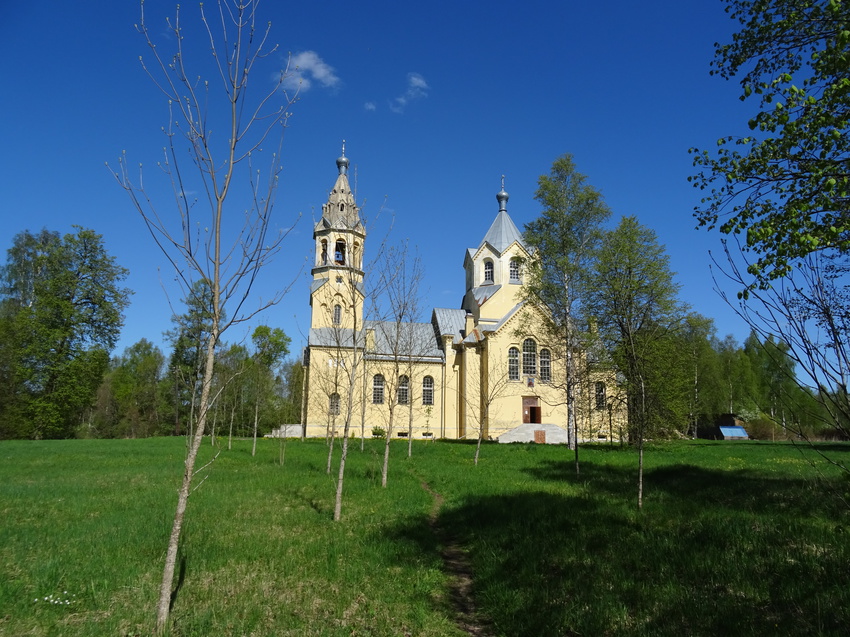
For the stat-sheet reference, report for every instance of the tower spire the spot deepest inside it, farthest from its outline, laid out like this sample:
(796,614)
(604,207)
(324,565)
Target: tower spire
(502,197)
(342,162)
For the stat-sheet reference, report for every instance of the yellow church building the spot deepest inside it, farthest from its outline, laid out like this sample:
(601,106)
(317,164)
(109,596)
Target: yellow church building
(482,369)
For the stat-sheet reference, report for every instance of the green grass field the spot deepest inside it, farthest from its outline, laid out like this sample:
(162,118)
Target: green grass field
(733,539)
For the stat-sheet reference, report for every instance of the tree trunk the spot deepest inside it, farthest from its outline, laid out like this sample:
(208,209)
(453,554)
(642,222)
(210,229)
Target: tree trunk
(363,414)
(410,423)
(640,471)
(641,431)
(230,432)
(386,466)
(341,475)
(215,421)
(576,450)
(331,439)
(256,418)
(164,605)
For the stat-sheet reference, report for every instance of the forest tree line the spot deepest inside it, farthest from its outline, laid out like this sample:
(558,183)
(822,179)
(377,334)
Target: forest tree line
(61,315)
(61,305)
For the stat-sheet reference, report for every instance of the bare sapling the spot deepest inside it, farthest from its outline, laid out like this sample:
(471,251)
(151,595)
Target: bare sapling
(217,132)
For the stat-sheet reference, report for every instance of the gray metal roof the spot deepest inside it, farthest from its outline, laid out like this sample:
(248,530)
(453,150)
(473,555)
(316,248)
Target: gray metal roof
(333,337)
(391,339)
(315,284)
(484,292)
(503,232)
(448,321)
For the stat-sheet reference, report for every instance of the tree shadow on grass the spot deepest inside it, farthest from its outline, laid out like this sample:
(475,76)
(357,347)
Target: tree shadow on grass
(690,485)
(556,564)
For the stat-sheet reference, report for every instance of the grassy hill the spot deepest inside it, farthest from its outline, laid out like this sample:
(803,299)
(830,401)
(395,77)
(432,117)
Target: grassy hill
(734,538)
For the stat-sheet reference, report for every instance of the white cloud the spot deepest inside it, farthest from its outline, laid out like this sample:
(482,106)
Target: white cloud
(305,68)
(417,88)
(370,106)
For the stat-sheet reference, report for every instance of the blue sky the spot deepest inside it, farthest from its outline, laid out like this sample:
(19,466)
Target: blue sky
(436,101)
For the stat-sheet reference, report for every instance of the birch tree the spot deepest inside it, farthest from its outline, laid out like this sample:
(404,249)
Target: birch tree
(271,345)
(564,240)
(634,303)
(217,135)
(398,342)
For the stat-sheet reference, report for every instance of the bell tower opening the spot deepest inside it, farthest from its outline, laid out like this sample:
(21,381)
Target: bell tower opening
(339,252)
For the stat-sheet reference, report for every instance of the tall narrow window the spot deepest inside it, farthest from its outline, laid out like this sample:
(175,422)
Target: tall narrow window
(513,364)
(529,357)
(515,272)
(378,389)
(339,252)
(341,207)
(324,258)
(337,314)
(403,393)
(427,391)
(600,395)
(488,271)
(333,407)
(545,366)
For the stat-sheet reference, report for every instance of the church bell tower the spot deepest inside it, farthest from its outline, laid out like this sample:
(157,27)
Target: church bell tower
(336,294)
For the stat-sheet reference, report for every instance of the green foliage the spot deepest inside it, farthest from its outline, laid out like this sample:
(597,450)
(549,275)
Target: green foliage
(189,338)
(705,379)
(130,401)
(271,345)
(292,391)
(62,313)
(231,367)
(786,184)
(636,310)
(564,239)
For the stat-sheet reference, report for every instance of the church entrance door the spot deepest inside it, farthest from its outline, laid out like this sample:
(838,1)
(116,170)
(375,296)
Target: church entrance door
(531,412)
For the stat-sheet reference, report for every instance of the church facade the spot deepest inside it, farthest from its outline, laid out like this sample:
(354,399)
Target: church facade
(482,369)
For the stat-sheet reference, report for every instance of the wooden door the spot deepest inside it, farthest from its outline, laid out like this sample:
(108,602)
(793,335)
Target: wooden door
(530,409)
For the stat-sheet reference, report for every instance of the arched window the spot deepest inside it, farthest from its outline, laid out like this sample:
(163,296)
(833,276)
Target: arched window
(341,207)
(545,366)
(515,271)
(324,257)
(513,364)
(378,389)
(529,357)
(403,393)
(339,252)
(333,406)
(600,395)
(427,391)
(488,271)
(337,318)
